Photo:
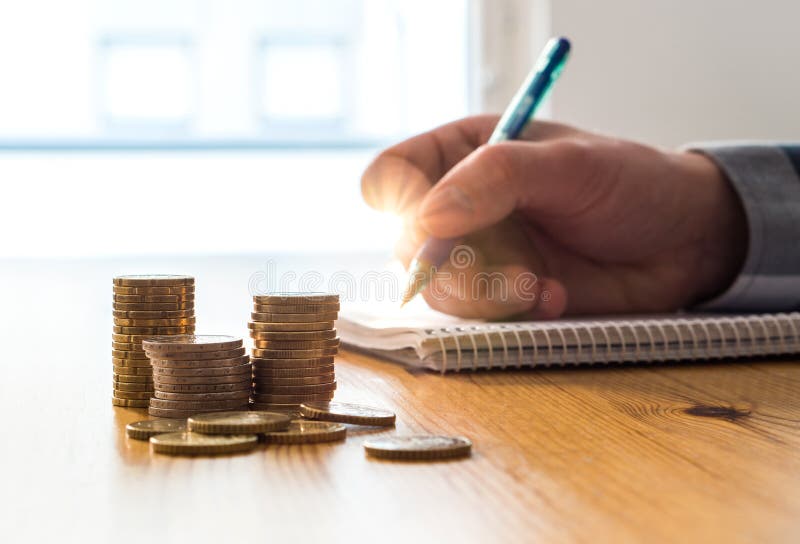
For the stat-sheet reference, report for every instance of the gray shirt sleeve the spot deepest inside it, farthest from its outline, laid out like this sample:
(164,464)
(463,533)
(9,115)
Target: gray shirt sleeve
(767,178)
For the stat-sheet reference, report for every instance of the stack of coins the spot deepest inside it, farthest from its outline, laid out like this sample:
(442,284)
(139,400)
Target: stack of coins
(196,374)
(294,343)
(145,306)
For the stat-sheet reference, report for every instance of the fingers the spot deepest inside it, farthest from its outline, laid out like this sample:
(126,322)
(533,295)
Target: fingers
(550,177)
(495,293)
(402,174)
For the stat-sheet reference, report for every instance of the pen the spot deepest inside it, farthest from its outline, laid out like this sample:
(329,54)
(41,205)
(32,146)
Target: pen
(519,112)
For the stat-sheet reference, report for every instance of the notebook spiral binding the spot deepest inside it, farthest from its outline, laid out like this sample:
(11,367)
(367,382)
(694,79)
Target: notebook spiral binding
(518,345)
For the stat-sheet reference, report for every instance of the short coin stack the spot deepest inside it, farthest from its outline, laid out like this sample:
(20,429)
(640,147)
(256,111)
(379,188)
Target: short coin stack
(194,374)
(145,306)
(294,343)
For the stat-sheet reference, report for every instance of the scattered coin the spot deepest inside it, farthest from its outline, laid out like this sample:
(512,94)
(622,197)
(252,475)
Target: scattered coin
(188,443)
(191,343)
(293,318)
(142,430)
(241,422)
(290,327)
(343,412)
(130,403)
(418,447)
(308,432)
(296,298)
(153,280)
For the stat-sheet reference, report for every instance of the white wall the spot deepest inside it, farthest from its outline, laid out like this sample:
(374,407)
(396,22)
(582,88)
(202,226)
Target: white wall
(673,71)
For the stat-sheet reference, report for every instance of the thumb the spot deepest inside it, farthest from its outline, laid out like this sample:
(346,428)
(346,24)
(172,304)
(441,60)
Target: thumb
(494,180)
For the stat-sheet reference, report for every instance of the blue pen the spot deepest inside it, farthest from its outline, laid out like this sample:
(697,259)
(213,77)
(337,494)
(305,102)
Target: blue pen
(520,111)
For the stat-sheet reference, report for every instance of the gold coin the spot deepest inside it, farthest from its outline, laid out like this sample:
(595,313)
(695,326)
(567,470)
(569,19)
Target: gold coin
(201,388)
(132,395)
(128,355)
(291,410)
(271,389)
(188,443)
(142,430)
(128,403)
(190,356)
(294,336)
(343,412)
(308,432)
(127,346)
(153,306)
(228,404)
(154,331)
(296,298)
(305,344)
(183,414)
(149,299)
(189,380)
(242,394)
(289,371)
(155,291)
(191,343)
(245,369)
(291,399)
(214,363)
(141,387)
(290,327)
(272,364)
(155,314)
(418,447)
(124,378)
(241,422)
(133,371)
(296,308)
(292,318)
(153,280)
(259,380)
(294,353)
(167,322)
(130,363)
(129,338)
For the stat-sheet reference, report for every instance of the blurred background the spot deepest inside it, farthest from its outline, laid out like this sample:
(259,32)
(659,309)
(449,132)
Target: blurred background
(210,127)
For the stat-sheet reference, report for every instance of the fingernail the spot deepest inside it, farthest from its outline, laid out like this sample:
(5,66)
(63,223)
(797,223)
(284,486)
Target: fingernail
(444,205)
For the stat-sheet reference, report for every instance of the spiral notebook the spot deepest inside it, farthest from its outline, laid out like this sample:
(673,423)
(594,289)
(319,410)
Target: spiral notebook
(442,343)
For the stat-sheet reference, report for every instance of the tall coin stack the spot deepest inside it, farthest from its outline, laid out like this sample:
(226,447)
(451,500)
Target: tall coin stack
(145,306)
(195,374)
(294,344)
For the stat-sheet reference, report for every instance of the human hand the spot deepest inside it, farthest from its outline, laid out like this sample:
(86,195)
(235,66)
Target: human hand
(607,226)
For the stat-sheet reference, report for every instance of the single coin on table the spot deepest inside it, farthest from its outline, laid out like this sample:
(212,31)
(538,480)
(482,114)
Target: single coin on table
(291,399)
(130,403)
(208,371)
(292,318)
(203,387)
(294,353)
(153,280)
(191,343)
(294,336)
(151,291)
(189,364)
(192,356)
(308,432)
(142,430)
(290,327)
(200,397)
(303,344)
(298,297)
(184,414)
(344,412)
(308,389)
(240,422)
(188,443)
(296,308)
(228,404)
(418,447)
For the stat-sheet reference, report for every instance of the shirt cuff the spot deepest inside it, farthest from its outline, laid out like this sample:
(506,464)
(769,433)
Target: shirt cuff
(767,181)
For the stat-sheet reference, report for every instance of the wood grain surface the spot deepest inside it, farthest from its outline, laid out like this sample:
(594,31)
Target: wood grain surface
(668,453)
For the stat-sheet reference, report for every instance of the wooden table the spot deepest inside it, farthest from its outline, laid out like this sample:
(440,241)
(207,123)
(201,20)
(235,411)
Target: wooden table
(700,453)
